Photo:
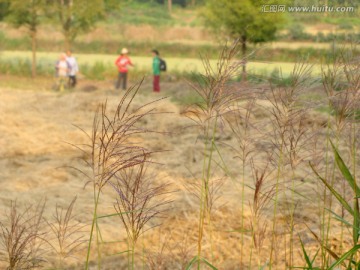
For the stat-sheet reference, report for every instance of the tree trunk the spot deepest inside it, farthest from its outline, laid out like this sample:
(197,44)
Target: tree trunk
(33,47)
(170,5)
(67,42)
(243,55)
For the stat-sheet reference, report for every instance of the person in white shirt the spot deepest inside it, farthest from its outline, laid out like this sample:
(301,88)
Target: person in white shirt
(74,69)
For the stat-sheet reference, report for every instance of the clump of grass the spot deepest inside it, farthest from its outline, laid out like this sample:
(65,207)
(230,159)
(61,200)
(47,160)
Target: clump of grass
(208,115)
(288,139)
(347,258)
(241,127)
(341,81)
(139,201)
(112,152)
(98,71)
(67,233)
(21,237)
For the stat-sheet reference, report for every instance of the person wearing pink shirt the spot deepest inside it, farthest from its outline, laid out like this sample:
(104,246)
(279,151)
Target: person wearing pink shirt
(122,62)
(62,68)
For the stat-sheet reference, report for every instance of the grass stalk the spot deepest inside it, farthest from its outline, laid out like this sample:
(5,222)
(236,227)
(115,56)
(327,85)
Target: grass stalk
(112,152)
(277,190)
(93,224)
(204,193)
(215,101)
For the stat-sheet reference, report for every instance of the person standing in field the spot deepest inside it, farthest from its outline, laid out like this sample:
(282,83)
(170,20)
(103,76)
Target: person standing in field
(62,69)
(74,69)
(122,62)
(156,71)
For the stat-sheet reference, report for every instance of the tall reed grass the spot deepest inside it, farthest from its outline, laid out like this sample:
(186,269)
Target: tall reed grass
(208,115)
(287,165)
(114,159)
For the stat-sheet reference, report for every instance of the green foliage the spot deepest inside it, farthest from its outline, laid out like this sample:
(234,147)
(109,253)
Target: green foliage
(22,67)
(111,5)
(296,32)
(346,26)
(97,71)
(353,20)
(13,44)
(78,16)
(309,261)
(136,13)
(243,19)
(184,96)
(333,37)
(28,13)
(4,9)
(181,3)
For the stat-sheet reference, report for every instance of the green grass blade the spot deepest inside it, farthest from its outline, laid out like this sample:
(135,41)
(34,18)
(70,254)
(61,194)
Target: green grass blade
(339,218)
(191,263)
(356,221)
(307,259)
(208,264)
(118,214)
(299,194)
(99,232)
(335,193)
(107,216)
(113,242)
(317,252)
(351,181)
(352,251)
(345,171)
(121,252)
(332,253)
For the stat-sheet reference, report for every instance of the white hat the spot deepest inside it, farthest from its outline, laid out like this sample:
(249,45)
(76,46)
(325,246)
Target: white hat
(124,51)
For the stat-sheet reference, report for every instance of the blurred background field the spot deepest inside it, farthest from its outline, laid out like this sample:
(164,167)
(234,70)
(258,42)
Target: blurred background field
(101,66)
(182,38)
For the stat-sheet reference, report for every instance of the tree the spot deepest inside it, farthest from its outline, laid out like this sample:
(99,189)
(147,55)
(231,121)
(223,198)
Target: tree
(170,6)
(111,5)
(29,14)
(4,9)
(79,16)
(247,20)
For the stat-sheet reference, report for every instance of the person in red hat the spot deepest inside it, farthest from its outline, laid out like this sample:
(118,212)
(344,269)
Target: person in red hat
(122,62)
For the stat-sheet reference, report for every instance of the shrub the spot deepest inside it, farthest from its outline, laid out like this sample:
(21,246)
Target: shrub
(296,32)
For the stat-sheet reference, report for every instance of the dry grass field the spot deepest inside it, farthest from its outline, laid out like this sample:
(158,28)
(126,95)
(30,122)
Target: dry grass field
(40,128)
(214,172)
